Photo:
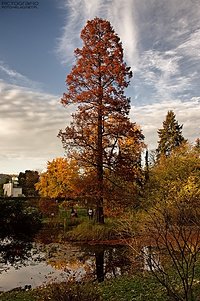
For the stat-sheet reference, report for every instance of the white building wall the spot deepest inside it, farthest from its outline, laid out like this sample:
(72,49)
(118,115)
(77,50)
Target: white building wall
(17,191)
(9,190)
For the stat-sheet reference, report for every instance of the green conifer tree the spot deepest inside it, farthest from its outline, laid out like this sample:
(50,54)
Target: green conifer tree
(170,136)
(197,144)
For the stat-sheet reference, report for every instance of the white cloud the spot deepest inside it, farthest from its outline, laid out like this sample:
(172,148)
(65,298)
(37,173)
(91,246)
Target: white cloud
(160,40)
(119,12)
(122,16)
(151,117)
(15,77)
(161,71)
(191,45)
(173,73)
(29,122)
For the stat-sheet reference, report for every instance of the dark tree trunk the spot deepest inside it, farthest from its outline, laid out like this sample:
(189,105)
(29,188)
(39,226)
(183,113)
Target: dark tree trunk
(99,213)
(147,165)
(99,256)
(99,207)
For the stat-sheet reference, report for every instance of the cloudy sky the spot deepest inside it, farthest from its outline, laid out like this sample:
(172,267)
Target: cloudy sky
(161,41)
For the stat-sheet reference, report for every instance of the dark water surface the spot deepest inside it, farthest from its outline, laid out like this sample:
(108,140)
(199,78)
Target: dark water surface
(42,261)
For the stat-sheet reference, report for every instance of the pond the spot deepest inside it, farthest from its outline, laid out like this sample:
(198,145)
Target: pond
(28,264)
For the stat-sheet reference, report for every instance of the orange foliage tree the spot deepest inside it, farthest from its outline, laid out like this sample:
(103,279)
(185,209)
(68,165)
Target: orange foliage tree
(60,179)
(96,87)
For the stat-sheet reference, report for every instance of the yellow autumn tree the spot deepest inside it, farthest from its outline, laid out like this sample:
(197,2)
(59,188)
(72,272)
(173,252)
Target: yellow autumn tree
(60,179)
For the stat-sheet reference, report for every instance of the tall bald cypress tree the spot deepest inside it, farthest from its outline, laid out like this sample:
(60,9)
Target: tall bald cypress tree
(170,136)
(100,125)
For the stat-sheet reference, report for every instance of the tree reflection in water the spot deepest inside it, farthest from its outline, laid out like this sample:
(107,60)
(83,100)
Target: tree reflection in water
(18,225)
(110,261)
(14,252)
(99,259)
(20,246)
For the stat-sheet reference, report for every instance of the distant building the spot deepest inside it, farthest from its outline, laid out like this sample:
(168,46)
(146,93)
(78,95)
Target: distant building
(11,189)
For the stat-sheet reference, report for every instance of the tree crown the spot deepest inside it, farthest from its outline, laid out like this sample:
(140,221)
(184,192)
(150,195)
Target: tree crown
(170,136)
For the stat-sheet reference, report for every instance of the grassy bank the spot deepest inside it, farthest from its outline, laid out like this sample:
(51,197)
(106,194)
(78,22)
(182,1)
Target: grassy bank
(141,287)
(80,228)
(120,289)
(89,231)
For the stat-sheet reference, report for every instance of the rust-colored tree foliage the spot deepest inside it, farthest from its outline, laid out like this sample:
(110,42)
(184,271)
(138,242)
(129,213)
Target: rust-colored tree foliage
(96,87)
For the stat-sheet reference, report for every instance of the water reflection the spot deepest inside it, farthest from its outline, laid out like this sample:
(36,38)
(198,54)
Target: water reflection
(14,252)
(99,259)
(27,259)
(110,261)
(18,225)
(36,264)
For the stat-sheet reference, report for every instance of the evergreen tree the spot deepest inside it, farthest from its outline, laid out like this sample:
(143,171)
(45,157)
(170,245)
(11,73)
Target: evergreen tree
(170,136)
(197,144)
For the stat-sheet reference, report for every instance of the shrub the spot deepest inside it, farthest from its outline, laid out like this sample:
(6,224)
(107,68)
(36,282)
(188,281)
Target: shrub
(16,219)
(71,292)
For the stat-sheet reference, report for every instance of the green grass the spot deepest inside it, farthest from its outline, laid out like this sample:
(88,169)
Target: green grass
(88,230)
(18,296)
(81,228)
(120,289)
(137,288)
(140,287)
(57,292)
